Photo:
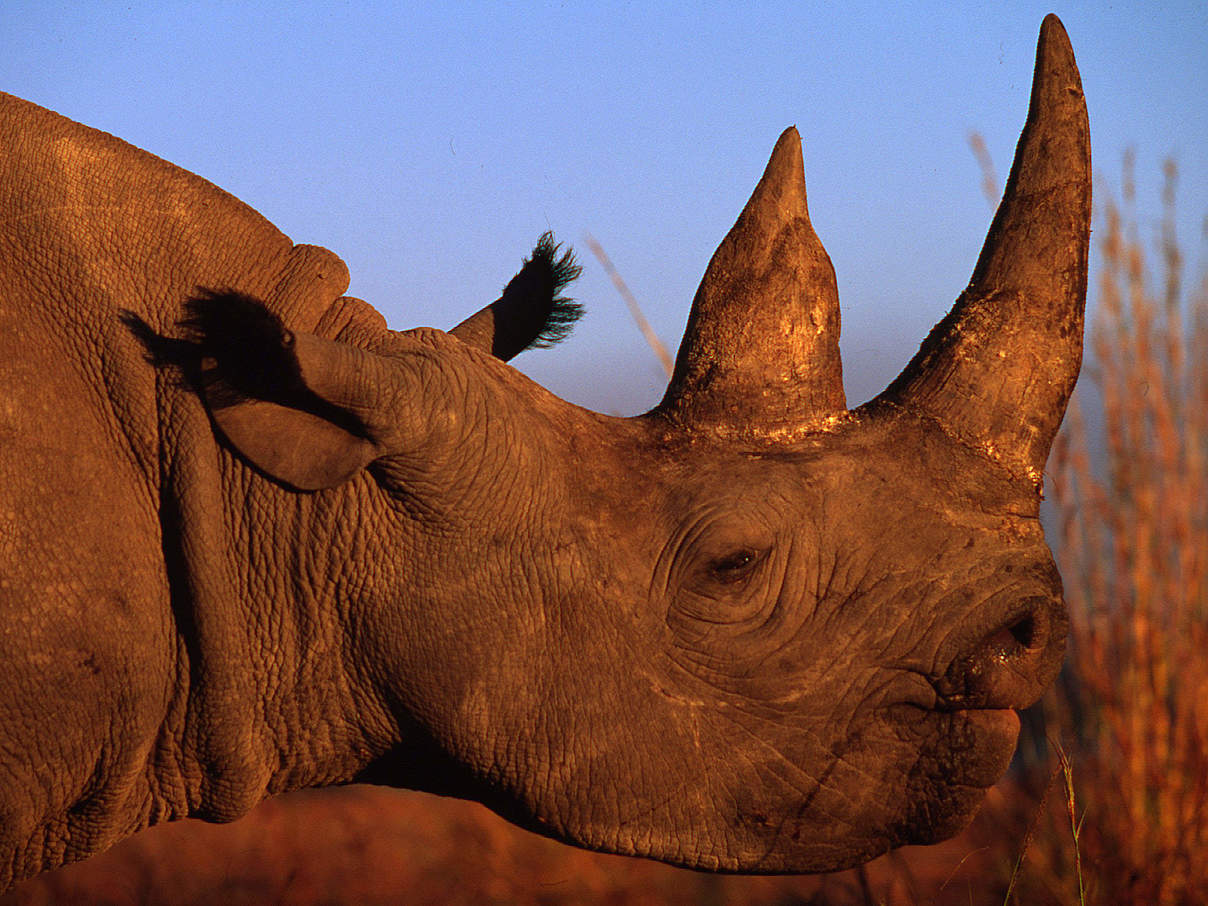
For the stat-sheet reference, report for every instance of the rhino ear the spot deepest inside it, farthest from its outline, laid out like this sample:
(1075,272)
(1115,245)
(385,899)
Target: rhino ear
(531,312)
(298,407)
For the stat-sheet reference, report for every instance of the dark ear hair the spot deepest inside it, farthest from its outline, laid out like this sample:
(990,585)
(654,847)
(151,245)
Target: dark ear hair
(530,313)
(297,407)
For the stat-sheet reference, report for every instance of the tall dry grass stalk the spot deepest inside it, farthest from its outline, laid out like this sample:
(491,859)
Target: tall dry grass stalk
(635,310)
(1130,490)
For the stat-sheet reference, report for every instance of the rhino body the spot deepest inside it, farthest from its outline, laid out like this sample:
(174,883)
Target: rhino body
(252,540)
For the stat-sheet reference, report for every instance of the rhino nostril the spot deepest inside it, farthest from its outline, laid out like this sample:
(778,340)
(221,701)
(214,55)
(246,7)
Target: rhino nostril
(1023,631)
(1008,641)
(1009,666)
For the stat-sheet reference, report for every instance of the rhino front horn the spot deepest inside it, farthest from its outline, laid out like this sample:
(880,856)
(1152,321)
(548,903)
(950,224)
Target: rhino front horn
(998,371)
(760,354)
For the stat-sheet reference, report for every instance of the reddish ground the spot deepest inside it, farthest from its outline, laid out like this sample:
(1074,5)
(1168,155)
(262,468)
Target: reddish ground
(368,845)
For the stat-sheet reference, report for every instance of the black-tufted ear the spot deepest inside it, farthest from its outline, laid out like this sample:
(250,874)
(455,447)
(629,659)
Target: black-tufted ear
(531,312)
(300,408)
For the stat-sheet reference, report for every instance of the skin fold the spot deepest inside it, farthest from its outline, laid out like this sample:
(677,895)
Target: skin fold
(252,540)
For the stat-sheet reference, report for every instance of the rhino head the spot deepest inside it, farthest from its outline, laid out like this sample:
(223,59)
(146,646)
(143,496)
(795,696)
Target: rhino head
(750,630)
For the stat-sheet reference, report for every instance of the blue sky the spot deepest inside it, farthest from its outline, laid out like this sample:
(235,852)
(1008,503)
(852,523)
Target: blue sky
(430,144)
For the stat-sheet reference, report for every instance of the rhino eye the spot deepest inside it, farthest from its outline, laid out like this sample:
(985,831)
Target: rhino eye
(733,567)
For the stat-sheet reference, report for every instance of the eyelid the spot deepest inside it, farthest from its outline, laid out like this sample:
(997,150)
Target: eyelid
(735,566)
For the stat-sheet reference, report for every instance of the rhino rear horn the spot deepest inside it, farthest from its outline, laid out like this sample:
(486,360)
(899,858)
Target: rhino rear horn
(760,354)
(998,371)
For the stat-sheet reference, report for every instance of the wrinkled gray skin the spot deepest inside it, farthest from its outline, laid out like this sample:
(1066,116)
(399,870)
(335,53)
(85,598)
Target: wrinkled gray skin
(749,631)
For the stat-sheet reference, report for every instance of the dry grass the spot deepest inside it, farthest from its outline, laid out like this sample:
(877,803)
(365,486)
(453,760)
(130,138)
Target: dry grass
(1131,498)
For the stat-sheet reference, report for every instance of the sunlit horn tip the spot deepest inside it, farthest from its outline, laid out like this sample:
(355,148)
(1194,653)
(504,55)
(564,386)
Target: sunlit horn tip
(1056,81)
(781,191)
(1053,38)
(1046,206)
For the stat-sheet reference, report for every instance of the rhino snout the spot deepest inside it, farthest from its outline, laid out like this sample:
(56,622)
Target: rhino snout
(1010,665)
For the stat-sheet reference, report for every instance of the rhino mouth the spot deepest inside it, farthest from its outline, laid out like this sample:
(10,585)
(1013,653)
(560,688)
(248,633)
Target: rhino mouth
(965,710)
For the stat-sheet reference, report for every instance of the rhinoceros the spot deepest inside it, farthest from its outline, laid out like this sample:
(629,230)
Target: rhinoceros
(252,540)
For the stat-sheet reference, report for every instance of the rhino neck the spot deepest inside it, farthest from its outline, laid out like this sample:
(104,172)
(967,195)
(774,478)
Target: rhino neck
(267,697)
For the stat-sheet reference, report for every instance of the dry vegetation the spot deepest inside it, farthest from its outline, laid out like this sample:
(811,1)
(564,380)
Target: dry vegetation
(1110,806)
(1130,487)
